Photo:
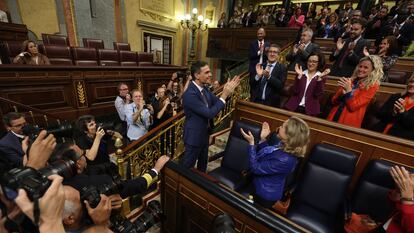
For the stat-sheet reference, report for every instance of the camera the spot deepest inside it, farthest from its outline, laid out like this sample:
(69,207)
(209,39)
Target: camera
(64,130)
(120,224)
(35,182)
(92,193)
(105,125)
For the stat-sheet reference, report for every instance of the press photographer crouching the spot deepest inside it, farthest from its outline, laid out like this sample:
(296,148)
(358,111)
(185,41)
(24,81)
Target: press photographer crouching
(34,191)
(93,139)
(74,215)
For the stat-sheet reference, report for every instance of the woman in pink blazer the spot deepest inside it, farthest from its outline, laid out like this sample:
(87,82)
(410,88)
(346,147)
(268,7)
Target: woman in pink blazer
(296,21)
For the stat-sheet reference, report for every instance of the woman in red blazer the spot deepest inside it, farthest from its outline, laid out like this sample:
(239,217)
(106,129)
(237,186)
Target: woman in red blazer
(309,86)
(355,93)
(296,21)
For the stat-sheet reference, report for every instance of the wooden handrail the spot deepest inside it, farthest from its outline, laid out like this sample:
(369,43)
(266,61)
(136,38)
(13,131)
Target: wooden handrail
(28,107)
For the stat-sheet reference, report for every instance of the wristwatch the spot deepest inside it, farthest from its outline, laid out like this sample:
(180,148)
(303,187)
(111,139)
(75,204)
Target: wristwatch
(411,199)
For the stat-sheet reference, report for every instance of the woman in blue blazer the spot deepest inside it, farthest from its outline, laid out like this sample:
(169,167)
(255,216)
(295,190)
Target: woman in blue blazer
(271,164)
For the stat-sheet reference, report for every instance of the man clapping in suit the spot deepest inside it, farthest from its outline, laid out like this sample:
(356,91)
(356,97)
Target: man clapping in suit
(270,79)
(300,52)
(200,107)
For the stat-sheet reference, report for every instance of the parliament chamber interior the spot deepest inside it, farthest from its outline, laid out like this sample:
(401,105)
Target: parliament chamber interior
(207,116)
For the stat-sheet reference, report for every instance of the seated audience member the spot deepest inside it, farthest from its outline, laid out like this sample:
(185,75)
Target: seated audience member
(355,93)
(3,17)
(263,18)
(138,117)
(269,79)
(311,14)
(296,21)
(282,18)
(403,30)
(271,164)
(167,109)
(306,24)
(388,52)
(94,141)
(348,52)
(222,23)
(300,52)
(376,28)
(309,86)
(323,19)
(11,143)
(121,101)
(402,219)
(331,28)
(216,85)
(397,114)
(30,55)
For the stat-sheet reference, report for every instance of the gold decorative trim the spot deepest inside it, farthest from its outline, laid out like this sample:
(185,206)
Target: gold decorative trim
(139,85)
(81,93)
(155,16)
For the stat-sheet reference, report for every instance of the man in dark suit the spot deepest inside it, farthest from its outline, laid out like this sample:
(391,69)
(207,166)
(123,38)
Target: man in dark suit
(257,53)
(348,52)
(403,30)
(200,107)
(300,52)
(282,18)
(249,18)
(270,79)
(10,144)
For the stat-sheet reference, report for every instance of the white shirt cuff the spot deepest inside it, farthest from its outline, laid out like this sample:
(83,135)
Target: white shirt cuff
(222,100)
(154,171)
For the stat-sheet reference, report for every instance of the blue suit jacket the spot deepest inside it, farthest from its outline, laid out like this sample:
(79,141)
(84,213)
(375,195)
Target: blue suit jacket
(197,115)
(11,148)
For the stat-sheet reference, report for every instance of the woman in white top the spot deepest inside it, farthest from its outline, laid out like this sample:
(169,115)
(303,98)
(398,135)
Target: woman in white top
(137,116)
(309,86)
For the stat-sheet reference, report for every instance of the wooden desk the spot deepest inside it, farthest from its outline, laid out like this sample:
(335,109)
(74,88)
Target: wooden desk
(72,91)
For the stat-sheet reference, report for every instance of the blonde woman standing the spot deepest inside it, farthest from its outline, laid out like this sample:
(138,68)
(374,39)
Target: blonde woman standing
(355,93)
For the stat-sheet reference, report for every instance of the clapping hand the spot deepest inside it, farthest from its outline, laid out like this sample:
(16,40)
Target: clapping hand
(403,180)
(346,84)
(265,131)
(248,136)
(259,69)
(399,106)
(324,73)
(298,70)
(366,52)
(340,44)
(230,86)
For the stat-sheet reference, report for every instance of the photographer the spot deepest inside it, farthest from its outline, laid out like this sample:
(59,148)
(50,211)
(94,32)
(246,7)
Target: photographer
(175,85)
(81,181)
(93,140)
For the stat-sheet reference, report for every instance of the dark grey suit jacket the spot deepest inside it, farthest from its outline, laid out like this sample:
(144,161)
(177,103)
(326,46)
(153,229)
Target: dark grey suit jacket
(301,57)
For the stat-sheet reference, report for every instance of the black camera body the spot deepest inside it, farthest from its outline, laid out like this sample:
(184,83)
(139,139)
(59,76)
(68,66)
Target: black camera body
(105,125)
(92,193)
(35,182)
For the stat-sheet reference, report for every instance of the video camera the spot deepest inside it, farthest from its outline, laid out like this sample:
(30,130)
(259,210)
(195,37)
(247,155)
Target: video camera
(64,130)
(35,182)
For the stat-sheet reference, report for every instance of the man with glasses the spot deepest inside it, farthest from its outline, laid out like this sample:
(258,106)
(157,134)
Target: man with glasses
(301,51)
(10,144)
(270,79)
(121,101)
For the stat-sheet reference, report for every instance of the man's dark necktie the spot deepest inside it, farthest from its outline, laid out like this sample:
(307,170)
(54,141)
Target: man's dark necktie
(345,55)
(204,97)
